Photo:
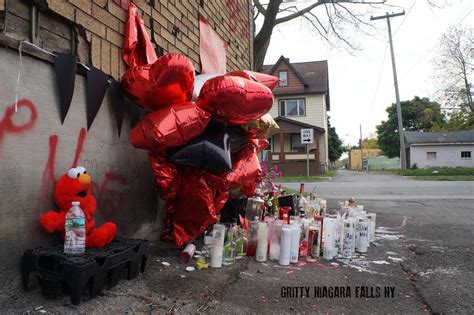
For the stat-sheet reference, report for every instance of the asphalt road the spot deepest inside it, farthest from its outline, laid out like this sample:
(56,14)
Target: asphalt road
(370,186)
(423,252)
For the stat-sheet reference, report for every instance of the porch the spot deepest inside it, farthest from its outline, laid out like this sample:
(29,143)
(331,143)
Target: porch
(289,154)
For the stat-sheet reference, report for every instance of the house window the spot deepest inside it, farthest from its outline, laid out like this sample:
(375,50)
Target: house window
(465,154)
(294,107)
(431,155)
(283,76)
(295,143)
(270,147)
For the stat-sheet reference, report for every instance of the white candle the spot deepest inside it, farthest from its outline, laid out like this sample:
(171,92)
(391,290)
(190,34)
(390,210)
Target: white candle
(342,235)
(295,243)
(363,239)
(353,222)
(337,236)
(348,238)
(262,242)
(285,246)
(329,233)
(275,239)
(372,216)
(218,234)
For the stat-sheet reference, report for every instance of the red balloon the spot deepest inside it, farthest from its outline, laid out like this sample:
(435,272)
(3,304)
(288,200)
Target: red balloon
(172,77)
(137,86)
(248,191)
(137,49)
(235,100)
(169,127)
(167,81)
(269,81)
(167,178)
(197,205)
(246,170)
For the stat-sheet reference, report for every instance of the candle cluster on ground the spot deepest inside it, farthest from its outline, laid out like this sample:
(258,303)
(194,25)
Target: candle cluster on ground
(306,232)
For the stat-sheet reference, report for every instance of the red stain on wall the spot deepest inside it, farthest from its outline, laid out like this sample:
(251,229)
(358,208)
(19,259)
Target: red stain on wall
(238,19)
(8,126)
(49,178)
(80,145)
(110,196)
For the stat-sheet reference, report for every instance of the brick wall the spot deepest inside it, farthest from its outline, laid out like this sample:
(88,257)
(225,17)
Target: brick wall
(172,25)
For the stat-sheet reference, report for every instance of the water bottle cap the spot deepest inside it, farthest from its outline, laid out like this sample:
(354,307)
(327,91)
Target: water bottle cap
(75,203)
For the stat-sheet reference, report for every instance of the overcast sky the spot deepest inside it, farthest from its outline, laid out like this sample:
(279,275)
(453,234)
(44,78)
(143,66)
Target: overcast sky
(353,79)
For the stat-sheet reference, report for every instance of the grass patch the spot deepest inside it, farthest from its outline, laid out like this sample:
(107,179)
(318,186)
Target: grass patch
(445,177)
(435,171)
(321,177)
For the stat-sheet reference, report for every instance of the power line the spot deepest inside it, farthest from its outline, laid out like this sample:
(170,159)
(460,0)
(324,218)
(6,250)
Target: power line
(404,19)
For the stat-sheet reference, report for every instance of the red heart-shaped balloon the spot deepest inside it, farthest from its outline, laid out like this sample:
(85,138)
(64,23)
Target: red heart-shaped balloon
(167,81)
(169,127)
(235,100)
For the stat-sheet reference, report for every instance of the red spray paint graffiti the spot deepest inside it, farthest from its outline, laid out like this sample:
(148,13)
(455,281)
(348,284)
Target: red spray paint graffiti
(48,178)
(8,126)
(109,200)
(80,145)
(237,21)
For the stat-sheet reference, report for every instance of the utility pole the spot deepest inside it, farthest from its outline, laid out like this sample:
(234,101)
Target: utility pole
(361,150)
(403,157)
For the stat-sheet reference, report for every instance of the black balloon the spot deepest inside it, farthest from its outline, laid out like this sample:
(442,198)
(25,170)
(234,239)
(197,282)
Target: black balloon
(237,141)
(210,151)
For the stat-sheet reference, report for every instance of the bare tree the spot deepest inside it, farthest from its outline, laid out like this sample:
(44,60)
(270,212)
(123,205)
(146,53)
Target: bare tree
(328,18)
(454,68)
(325,16)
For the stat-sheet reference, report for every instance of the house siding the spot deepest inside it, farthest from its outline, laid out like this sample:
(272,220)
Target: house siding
(294,84)
(315,115)
(446,156)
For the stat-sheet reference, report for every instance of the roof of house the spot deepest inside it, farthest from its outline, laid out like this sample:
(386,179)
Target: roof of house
(416,137)
(314,75)
(299,123)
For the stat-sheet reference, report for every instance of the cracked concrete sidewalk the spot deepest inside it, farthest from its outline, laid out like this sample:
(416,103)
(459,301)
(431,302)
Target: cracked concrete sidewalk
(427,257)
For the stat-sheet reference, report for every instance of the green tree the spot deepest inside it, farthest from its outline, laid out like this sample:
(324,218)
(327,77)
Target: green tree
(370,143)
(457,120)
(335,146)
(419,114)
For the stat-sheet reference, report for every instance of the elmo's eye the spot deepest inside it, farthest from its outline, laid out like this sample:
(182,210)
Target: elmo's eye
(72,173)
(81,170)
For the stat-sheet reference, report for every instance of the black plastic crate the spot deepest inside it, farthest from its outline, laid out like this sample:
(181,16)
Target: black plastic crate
(91,270)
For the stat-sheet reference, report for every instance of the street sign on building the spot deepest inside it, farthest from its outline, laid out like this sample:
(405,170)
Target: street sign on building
(307,136)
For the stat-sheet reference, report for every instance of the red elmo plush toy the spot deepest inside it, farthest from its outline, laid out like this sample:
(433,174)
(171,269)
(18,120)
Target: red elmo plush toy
(75,185)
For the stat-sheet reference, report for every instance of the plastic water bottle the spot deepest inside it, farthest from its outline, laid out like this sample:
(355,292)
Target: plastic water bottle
(75,230)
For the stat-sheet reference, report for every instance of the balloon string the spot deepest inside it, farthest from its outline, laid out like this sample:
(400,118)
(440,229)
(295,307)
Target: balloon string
(21,66)
(18,77)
